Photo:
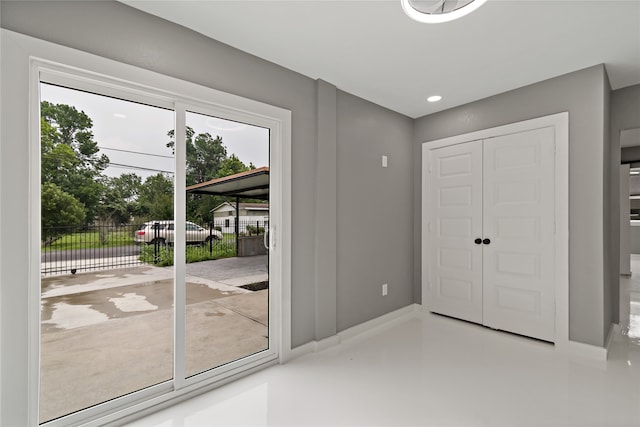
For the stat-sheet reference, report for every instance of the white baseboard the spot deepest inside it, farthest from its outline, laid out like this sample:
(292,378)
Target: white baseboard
(379,324)
(326,343)
(300,351)
(357,332)
(574,348)
(614,329)
(313,347)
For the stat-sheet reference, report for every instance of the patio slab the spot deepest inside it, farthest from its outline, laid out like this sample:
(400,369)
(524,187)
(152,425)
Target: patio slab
(110,333)
(84,366)
(227,268)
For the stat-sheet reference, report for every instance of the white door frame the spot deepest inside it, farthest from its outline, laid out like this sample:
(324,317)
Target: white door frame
(560,123)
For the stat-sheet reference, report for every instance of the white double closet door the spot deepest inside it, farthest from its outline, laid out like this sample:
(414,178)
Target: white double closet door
(491,232)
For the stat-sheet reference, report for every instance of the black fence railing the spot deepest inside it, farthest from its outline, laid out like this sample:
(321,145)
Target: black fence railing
(67,250)
(72,249)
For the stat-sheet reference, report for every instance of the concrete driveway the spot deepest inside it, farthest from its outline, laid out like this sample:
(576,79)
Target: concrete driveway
(110,333)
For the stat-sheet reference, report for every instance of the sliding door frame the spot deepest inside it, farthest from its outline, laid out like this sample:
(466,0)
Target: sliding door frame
(56,64)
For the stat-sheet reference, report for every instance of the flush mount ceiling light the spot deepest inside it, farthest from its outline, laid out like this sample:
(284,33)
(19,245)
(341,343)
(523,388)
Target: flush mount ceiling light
(434,98)
(436,11)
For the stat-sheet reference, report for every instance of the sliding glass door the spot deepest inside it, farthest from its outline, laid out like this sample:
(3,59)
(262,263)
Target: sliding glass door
(106,274)
(155,245)
(227,293)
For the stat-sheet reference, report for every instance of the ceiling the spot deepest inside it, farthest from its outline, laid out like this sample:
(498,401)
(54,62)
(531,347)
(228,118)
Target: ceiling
(372,50)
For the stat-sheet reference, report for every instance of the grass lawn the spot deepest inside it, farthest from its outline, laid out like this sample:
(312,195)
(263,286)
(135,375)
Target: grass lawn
(90,240)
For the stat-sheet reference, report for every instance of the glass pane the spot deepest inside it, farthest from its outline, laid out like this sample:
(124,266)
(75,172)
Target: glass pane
(106,259)
(227,283)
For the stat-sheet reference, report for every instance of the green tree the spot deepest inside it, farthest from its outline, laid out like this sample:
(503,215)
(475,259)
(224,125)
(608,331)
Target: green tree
(156,197)
(128,186)
(60,212)
(233,165)
(206,159)
(57,159)
(70,156)
(119,202)
(205,155)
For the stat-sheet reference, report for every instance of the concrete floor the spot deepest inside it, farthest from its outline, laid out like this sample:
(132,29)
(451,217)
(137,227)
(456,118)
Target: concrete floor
(110,333)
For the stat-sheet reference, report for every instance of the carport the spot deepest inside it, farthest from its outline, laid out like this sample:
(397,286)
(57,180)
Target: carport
(252,184)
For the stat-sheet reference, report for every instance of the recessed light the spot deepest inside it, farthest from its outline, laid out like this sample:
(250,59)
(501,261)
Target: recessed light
(434,98)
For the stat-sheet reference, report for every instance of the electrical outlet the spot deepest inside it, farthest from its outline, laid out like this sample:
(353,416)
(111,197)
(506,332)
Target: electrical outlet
(385,289)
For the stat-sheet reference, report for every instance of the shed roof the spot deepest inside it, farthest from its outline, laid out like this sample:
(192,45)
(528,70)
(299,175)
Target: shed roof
(245,206)
(252,184)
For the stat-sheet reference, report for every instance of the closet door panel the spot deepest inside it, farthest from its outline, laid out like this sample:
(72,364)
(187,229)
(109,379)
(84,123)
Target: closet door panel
(518,219)
(455,276)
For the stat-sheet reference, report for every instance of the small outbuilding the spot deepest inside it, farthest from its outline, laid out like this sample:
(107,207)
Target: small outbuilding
(245,220)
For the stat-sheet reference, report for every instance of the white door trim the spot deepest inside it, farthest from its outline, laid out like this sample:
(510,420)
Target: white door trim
(560,123)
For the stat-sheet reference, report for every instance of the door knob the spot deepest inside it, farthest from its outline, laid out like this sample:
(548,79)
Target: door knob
(478,241)
(486,241)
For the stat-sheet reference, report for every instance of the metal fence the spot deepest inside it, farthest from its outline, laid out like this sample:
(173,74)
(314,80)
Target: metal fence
(67,250)
(71,249)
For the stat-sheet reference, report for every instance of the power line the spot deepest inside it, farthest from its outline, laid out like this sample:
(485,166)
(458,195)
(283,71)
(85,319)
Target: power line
(134,167)
(135,152)
(116,165)
(120,165)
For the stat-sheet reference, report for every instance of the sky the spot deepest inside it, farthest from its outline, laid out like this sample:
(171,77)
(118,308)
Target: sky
(134,136)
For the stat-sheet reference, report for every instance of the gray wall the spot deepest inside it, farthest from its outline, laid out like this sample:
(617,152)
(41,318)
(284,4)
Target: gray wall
(611,216)
(374,209)
(326,226)
(582,94)
(625,114)
(343,242)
